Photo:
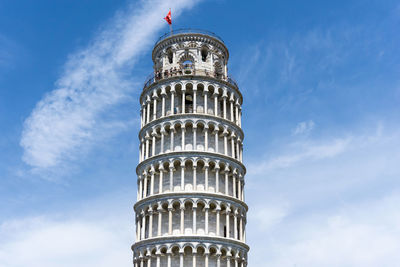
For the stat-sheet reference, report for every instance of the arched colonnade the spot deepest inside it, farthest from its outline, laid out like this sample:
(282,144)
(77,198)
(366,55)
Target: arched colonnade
(192,96)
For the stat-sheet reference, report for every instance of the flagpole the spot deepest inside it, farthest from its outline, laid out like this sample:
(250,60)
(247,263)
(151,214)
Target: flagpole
(170,25)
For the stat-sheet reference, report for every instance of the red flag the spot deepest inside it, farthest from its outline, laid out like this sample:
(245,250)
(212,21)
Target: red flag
(168,17)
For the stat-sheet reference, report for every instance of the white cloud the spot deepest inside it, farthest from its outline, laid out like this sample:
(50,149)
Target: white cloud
(304,127)
(301,151)
(340,202)
(69,119)
(364,234)
(99,234)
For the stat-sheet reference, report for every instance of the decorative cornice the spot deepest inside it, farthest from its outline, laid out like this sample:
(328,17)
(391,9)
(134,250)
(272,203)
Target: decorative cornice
(185,239)
(188,154)
(167,81)
(166,196)
(187,116)
(189,37)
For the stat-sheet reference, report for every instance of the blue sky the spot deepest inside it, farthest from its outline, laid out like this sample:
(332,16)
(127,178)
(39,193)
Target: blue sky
(321,86)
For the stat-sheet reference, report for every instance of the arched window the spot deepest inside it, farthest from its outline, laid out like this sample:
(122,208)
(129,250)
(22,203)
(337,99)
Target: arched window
(170,55)
(204,54)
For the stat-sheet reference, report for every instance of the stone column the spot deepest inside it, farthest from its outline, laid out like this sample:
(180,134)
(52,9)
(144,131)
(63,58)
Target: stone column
(206,220)
(181,259)
(169,260)
(224,96)
(194,177)
(158,263)
(205,94)
(234,185)
(150,222)
(147,146)
(183,137)
(163,95)
(206,138)
(148,109)
(227,222)
(163,133)
(145,185)
(142,115)
(160,185)
(153,143)
(226,171)
(194,220)
(194,259)
(172,101)
(143,148)
(241,228)
(182,176)
(159,226)
(172,131)
(218,210)
(237,112)
(239,189)
(206,176)
(171,176)
(218,260)
(225,133)
(206,259)
(152,181)
(169,220)
(143,226)
(235,233)
(154,105)
(183,100)
(149,261)
(216,131)
(237,148)
(194,137)
(140,188)
(138,228)
(215,104)
(231,107)
(217,177)
(233,145)
(182,219)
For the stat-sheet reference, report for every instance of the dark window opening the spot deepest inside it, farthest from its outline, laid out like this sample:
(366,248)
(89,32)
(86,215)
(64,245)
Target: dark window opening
(188,103)
(170,56)
(204,53)
(225,231)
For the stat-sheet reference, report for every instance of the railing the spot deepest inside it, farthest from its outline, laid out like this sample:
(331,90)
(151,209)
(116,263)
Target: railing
(186,71)
(188,30)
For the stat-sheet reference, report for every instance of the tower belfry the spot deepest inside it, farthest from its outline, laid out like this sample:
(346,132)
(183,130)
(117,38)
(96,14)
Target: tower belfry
(190,209)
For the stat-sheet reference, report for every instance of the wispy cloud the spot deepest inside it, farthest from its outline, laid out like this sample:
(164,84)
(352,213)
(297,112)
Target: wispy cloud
(302,151)
(84,237)
(69,119)
(361,234)
(330,201)
(304,127)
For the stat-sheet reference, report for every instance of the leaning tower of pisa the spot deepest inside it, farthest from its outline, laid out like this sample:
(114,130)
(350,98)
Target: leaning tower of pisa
(190,208)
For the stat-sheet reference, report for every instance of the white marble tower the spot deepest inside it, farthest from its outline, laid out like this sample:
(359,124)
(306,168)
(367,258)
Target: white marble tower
(190,210)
